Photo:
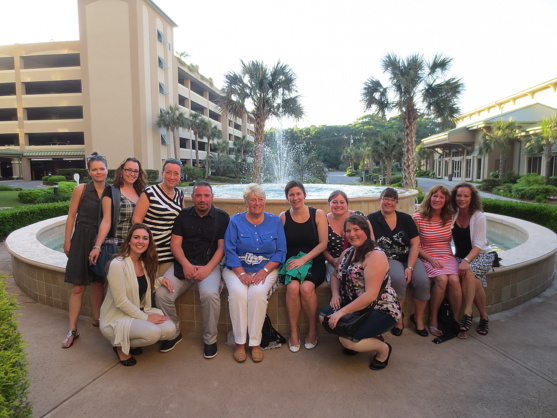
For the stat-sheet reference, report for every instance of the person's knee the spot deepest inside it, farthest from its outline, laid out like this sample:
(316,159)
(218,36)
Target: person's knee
(307,290)
(78,289)
(206,296)
(441,281)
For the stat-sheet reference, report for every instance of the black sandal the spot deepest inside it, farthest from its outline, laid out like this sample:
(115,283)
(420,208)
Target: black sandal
(466,323)
(483,327)
(128,362)
(70,338)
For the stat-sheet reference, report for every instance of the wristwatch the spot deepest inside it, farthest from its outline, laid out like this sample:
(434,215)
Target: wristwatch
(466,259)
(410,267)
(96,247)
(266,271)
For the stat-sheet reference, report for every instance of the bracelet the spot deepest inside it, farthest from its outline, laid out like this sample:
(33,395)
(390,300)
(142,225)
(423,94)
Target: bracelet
(96,247)
(466,259)
(266,271)
(410,267)
(241,274)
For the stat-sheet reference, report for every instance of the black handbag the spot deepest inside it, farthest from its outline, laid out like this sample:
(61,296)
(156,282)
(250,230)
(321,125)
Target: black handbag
(107,251)
(348,324)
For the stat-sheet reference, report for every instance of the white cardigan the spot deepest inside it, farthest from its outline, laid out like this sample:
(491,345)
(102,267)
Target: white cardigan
(121,304)
(478,231)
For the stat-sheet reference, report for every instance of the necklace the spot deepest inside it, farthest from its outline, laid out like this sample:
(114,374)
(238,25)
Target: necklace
(168,193)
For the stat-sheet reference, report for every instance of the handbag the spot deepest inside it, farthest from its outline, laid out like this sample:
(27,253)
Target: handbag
(270,337)
(107,251)
(348,324)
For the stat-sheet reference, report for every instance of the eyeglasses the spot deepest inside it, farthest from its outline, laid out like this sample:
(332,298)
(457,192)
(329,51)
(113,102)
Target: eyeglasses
(173,161)
(131,171)
(389,199)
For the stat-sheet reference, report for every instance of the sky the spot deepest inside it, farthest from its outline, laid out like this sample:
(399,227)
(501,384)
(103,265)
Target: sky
(499,47)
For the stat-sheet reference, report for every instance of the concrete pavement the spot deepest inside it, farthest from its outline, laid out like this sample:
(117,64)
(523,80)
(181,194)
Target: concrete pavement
(511,372)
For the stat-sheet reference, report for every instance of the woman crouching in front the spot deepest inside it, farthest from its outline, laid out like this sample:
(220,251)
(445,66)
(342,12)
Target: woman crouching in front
(361,278)
(127,319)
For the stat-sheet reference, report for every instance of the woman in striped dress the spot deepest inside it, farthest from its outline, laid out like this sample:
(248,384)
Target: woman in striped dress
(158,206)
(435,227)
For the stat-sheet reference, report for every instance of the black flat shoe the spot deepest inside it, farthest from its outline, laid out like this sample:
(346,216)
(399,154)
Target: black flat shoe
(397,332)
(380,365)
(421,332)
(348,352)
(128,362)
(136,351)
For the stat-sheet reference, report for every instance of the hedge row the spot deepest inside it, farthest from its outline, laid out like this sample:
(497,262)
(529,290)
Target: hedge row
(14,383)
(15,218)
(152,175)
(542,214)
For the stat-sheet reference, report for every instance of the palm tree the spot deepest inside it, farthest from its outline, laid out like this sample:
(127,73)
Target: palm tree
(417,87)
(544,142)
(261,92)
(242,147)
(387,148)
(213,133)
(199,125)
(172,120)
(501,136)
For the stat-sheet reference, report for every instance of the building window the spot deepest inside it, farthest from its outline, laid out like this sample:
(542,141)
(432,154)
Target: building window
(468,169)
(162,64)
(535,165)
(162,88)
(164,140)
(160,37)
(479,168)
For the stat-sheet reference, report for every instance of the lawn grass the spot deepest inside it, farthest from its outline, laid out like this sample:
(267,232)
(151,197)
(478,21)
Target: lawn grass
(9,200)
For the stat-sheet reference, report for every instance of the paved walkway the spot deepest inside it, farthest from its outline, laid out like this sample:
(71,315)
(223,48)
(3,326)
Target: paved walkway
(512,372)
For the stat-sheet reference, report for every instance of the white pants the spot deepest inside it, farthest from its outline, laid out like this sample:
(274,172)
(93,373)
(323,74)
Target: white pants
(144,333)
(248,306)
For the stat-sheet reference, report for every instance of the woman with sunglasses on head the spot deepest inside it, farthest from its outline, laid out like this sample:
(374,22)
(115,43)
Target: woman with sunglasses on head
(397,234)
(128,319)
(79,238)
(158,206)
(129,182)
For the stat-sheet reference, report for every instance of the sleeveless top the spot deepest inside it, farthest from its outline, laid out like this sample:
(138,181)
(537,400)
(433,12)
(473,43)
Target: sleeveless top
(160,218)
(302,236)
(352,285)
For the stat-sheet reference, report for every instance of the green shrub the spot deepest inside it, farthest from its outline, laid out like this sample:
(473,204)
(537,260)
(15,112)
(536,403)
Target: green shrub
(489,184)
(503,190)
(66,187)
(531,179)
(51,197)
(69,172)
(31,195)
(152,175)
(15,218)
(532,192)
(510,177)
(193,173)
(396,178)
(493,174)
(314,180)
(552,181)
(541,214)
(6,188)
(55,179)
(14,383)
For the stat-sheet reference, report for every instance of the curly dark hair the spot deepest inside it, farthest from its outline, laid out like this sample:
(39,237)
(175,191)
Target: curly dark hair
(369,245)
(139,184)
(446,211)
(475,201)
(150,257)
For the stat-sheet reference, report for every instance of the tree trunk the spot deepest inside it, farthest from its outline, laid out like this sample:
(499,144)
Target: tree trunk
(502,161)
(258,151)
(207,163)
(409,148)
(176,134)
(547,157)
(196,150)
(389,171)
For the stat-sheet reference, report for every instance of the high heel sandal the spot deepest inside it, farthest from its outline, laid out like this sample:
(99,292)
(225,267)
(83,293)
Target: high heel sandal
(483,327)
(127,362)
(70,338)
(466,323)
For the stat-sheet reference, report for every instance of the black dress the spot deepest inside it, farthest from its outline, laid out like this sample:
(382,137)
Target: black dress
(304,237)
(83,239)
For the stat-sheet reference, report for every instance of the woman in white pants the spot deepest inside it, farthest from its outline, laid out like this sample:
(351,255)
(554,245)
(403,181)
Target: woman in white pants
(127,319)
(255,248)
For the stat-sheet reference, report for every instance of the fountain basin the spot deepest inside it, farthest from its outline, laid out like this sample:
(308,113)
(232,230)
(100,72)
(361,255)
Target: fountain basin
(525,272)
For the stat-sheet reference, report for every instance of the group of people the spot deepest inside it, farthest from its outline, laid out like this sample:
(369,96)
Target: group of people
(164,248)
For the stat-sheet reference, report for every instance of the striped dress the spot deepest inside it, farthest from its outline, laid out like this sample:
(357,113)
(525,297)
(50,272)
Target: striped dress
(435,240)
(160,218)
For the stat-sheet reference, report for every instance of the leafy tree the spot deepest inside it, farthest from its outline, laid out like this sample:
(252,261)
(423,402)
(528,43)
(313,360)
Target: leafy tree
(261,92)
(544,143)
(172,120)
(242,148)
(501,135)
(200,126)
(387,148)
(416,88)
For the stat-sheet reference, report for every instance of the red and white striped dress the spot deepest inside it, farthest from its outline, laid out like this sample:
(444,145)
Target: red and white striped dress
(435,240)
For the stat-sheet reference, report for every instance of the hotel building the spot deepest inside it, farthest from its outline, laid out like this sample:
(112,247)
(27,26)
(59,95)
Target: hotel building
(60,101)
